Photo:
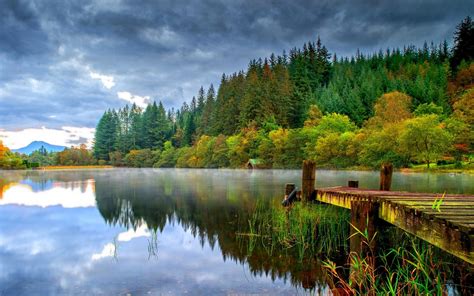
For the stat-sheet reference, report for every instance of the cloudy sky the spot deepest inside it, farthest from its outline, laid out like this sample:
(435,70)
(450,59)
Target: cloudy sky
(63,62)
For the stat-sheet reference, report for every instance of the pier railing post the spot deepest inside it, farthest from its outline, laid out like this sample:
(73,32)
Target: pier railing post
(386,176)
(308,180)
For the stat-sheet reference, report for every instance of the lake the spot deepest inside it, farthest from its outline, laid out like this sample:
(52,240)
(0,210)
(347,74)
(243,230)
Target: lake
(160,231)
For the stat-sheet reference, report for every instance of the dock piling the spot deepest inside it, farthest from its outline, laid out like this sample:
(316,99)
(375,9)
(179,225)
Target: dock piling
(364,215)
(308,180)
(386,176)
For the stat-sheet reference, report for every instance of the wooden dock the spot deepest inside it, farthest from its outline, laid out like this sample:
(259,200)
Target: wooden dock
(446,221)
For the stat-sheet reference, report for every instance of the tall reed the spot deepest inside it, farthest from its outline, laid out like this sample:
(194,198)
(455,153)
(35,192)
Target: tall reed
(412,268)
(306,229)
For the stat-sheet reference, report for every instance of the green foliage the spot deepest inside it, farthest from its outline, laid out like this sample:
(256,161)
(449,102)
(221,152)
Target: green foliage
(334,123)
(336,150)
(11,161)
(140,158)
(381,146)
(425,139)
(287,108)
(168,156)
(106,135)
(42,158)
(430,108)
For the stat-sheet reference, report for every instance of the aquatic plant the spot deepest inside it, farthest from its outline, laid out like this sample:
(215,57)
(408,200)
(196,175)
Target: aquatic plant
(413,268)
(438,202)
(306,229)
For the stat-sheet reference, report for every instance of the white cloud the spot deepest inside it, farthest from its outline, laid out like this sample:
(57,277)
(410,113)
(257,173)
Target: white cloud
(107,81)
(140,101)
(63,136)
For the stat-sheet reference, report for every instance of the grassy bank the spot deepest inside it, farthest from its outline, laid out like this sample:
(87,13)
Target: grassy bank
(466,168)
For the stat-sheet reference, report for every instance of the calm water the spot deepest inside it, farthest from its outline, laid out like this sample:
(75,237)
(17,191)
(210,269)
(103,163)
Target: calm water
(157,231)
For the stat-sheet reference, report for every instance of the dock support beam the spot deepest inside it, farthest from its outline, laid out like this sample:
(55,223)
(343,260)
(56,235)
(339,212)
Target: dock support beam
(386,176)
(308,181)
(364,215)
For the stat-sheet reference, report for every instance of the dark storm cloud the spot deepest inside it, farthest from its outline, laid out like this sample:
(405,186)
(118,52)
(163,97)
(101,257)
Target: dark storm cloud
(53,53)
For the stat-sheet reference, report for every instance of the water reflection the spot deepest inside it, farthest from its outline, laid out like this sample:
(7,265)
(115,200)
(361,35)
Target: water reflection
(210,208)
(65,194)
(165,231)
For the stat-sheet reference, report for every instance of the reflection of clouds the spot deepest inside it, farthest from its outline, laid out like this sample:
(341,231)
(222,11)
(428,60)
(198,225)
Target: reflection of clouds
(73,267)
(41,246)
(107,251)
(206,277)
(57,196)
(131,234)
(110,249)
(4,187)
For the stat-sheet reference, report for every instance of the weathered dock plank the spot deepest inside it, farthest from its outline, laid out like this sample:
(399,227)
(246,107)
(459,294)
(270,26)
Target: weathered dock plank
(448,225)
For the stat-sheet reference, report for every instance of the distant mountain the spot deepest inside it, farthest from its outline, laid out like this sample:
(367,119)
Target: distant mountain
(36,145)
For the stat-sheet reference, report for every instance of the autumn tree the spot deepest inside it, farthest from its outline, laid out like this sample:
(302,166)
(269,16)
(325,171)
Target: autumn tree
(8,159)
(464,111)
(75,156)
(314,116)
(390,108)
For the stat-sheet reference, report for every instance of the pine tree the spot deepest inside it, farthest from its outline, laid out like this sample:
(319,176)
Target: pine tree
(135,127)
(189,130)
(205,124)
(463,49)
(200,101)
(105,135)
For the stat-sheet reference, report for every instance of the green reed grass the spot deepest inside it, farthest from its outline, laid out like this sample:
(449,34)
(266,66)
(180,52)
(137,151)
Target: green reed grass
(306,229)
(413,268)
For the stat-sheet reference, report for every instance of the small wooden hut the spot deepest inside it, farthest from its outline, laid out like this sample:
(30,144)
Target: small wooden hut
(255,163)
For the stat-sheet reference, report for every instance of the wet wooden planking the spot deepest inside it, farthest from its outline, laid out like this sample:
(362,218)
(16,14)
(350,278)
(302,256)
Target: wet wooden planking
(449,226)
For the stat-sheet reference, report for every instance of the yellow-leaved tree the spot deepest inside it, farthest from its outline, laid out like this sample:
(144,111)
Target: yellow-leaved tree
(9,160)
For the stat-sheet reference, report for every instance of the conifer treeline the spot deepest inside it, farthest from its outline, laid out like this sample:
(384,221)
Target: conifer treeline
(277,92)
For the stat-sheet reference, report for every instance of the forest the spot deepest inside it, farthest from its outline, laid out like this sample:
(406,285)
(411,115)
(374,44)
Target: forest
(406,106)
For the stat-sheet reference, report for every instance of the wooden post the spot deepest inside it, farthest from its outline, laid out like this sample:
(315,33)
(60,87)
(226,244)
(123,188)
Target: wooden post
(386,176)
(353,184)
(308,180)
(364,215)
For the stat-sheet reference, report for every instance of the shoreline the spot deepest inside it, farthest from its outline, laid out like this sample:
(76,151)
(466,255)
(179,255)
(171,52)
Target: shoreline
(362,169)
